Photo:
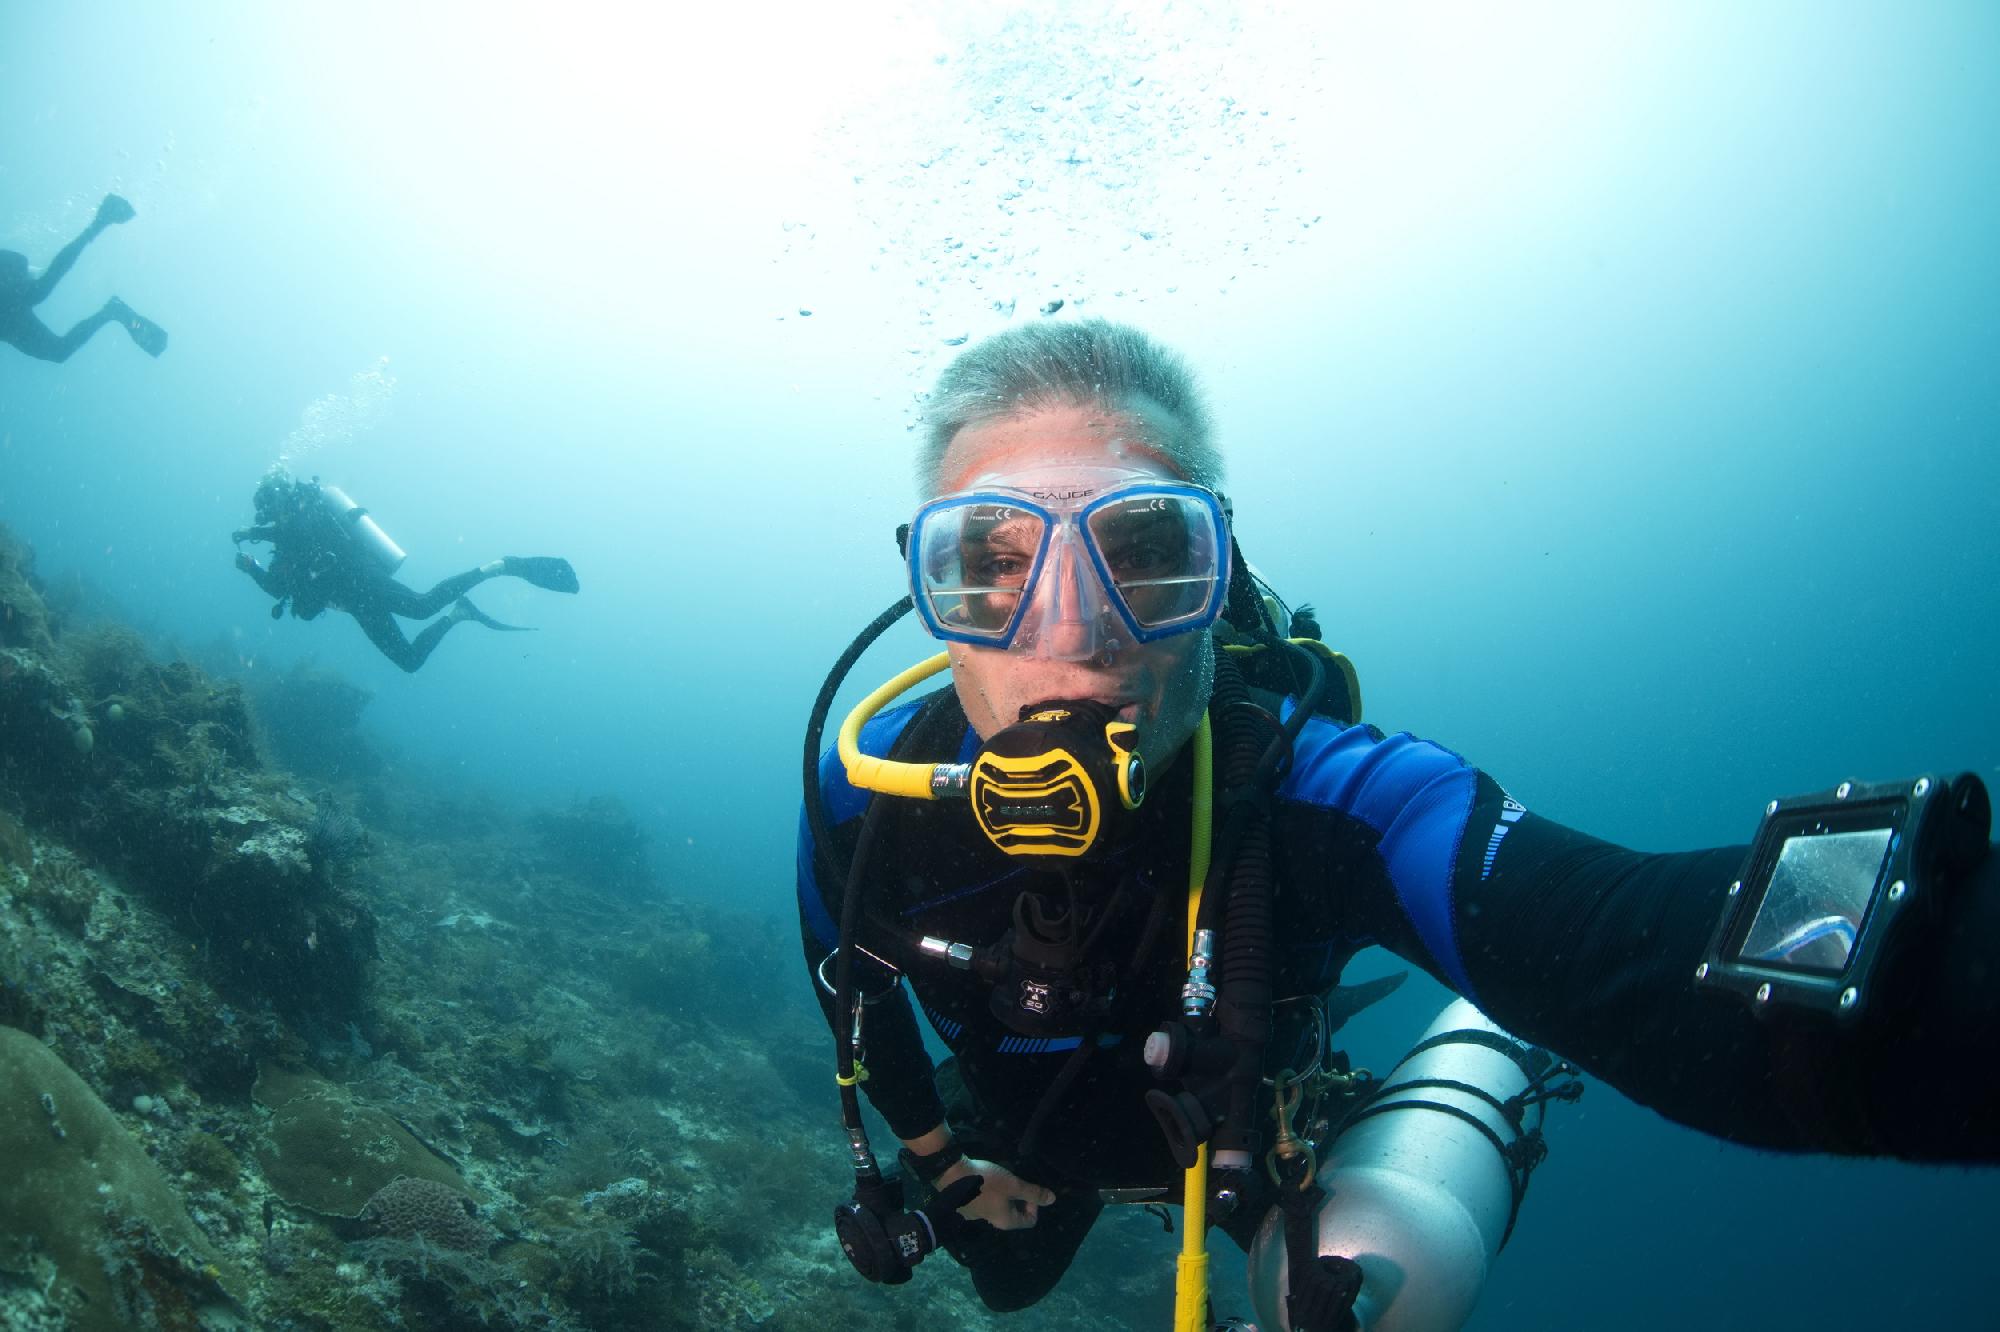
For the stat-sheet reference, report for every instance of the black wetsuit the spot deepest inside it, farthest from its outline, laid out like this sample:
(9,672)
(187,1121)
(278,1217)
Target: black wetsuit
(1572,943)
(314,565)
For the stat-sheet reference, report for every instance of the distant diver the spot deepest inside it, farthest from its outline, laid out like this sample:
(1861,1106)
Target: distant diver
(20,293)
(327,552)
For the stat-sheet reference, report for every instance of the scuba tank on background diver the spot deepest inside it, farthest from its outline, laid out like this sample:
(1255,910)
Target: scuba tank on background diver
(359,527)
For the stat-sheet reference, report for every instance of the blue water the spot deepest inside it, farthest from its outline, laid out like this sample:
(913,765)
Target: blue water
(1623,387)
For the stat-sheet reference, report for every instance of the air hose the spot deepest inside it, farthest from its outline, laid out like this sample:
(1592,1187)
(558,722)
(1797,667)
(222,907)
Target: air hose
(1256,748)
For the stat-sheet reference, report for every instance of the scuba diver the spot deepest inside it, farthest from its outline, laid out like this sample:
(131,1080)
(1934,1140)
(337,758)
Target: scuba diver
(328,552)
(1120,863)
(20,293)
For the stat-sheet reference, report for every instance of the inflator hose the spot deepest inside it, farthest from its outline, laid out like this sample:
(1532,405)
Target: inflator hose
(846,1074)
(1243,1009)
(1256,750)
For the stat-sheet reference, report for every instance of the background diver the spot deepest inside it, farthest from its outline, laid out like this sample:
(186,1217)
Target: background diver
(328,552)
(21,292)
(993,856)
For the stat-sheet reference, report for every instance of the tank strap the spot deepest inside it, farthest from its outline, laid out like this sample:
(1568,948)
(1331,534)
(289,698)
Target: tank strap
(1320,1288)
(1531,1060)
(1529,1148)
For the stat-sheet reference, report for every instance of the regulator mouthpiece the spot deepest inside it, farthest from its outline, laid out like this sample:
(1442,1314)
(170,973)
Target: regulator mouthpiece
(1057,781)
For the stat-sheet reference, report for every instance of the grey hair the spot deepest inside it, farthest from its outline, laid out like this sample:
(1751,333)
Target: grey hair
(1084,362)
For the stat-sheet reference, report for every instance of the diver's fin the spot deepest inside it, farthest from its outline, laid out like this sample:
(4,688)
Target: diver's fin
(148,336)
(549,571)
(1344,1001)
(465,610)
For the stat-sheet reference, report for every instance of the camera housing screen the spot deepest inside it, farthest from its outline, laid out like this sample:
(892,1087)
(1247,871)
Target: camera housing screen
(1833,887)
(1821,885)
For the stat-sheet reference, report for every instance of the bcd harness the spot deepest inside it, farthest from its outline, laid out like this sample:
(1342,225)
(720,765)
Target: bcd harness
(1054,786)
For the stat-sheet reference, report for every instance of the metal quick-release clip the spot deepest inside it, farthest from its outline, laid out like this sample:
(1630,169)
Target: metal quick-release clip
(860,1155)
(944,950)
(1198,995)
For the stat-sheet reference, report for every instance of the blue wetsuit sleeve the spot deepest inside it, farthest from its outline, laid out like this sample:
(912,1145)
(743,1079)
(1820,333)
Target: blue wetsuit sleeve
(1380,820)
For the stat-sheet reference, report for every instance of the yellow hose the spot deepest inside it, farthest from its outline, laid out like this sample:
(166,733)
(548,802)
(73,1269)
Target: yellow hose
(1191,1268)
(875,774)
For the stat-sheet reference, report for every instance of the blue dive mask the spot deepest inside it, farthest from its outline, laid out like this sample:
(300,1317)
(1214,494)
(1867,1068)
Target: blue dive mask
(1072,563)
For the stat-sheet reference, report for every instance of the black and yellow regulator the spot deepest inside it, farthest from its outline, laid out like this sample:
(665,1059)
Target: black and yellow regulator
(1058,782)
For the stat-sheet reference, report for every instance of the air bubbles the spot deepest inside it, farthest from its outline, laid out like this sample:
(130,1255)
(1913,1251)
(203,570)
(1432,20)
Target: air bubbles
(1069,145)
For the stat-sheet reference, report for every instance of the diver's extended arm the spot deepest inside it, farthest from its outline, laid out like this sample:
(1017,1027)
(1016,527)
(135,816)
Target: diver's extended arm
(112,210)
(1591,950)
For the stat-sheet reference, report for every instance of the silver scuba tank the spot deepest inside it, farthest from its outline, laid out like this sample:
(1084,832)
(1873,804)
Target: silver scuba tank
(361,529)
(1421,1199)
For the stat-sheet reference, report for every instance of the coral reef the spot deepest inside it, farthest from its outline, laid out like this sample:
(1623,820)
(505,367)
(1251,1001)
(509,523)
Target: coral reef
(300,1048)
(423,1209)
(84,1212)
(24,619)
(327,1151)
(333,838)
(312,725)
(598,839)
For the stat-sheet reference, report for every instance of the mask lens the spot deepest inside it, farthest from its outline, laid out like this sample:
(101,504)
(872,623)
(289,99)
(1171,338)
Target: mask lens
(974,560)
(1162,555)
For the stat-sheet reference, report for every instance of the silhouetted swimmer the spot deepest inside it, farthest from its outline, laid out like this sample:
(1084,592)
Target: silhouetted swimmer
(21,292)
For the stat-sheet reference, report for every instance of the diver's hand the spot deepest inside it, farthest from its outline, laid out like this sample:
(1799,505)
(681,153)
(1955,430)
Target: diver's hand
(1005,1201)
(1322,1296)
(114,210)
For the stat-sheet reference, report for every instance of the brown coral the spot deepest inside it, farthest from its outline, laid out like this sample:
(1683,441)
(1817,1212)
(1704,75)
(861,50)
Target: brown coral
(409,1208)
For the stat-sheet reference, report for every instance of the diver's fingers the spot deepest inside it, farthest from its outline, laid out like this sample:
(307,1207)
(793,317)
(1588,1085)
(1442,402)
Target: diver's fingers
(1027,1205)
(1033,1195)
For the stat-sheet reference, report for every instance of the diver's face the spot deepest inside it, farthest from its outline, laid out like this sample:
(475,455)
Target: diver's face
(13,270)
(1161,686)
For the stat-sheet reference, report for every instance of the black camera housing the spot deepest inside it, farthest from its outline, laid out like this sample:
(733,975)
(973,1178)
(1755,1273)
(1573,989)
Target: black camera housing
(1836,886)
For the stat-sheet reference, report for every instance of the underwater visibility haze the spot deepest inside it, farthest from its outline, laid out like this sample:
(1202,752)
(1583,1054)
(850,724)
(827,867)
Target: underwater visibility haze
(1620,382)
